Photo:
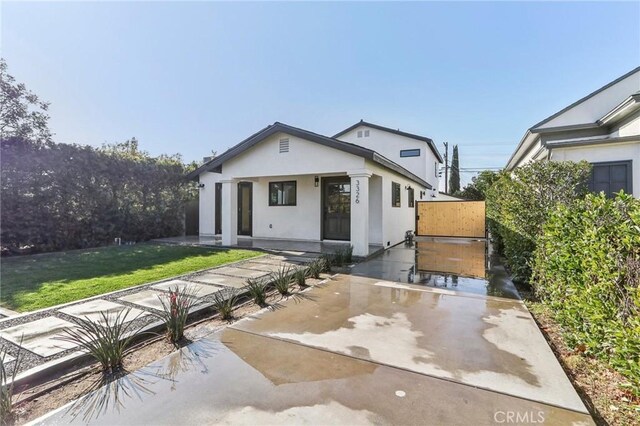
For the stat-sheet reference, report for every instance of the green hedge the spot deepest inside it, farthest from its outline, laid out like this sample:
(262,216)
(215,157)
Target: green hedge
(519,203)
(61,196)
(586,267)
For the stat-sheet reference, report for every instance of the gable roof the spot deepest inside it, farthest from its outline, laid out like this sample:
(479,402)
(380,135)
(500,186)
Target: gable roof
(215,164)
(530,135)
(429,142)
(589,96)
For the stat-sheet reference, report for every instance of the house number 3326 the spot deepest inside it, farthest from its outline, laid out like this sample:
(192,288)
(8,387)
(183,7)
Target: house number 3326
(357,191)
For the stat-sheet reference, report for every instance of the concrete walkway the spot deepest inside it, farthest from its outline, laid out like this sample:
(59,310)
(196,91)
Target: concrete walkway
(39,331)
(357,350)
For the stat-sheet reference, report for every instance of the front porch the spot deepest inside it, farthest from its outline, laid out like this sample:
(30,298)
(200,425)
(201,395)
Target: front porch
(306,212)
(292,247)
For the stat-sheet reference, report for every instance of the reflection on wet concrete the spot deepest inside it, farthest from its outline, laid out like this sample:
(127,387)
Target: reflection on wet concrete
(112,392)
(253,379)
(457,264)
(491,343)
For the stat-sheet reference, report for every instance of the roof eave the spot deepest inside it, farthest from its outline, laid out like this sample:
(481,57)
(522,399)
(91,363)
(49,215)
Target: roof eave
(590,95)
(425,139)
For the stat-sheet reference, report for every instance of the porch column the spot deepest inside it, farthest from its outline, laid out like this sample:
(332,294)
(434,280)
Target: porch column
(229,208)
(360,211)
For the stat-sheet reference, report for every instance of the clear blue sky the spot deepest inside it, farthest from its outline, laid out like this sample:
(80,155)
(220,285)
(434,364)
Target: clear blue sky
(197,77)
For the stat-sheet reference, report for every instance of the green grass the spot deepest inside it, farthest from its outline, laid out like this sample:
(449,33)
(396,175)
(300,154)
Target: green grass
(39,281)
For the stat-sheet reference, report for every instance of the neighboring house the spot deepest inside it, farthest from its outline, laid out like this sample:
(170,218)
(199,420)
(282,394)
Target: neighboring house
(443,196)
(602,128)
(288,183)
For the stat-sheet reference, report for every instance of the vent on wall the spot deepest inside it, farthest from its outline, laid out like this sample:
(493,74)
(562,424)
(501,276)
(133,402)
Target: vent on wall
(284,145)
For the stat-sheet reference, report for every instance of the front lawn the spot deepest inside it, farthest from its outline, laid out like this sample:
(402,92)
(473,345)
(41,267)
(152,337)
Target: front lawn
(33,282)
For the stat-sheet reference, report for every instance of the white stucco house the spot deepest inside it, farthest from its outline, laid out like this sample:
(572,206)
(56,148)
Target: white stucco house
(602,128)
(288,183)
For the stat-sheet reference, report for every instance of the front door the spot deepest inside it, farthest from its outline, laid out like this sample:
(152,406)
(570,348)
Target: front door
(336,208)
(218,208)
(245,205)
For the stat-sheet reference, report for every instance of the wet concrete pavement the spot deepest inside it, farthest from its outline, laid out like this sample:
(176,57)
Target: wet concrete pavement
(240,378)
(456,264)
(354,351)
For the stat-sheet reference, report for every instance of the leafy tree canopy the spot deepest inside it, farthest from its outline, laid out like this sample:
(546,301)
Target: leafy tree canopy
(22,113)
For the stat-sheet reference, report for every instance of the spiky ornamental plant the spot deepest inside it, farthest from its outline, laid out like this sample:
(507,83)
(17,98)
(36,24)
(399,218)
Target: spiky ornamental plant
(281,279)
(105,340)
(300,277)
(7,386)
(224,301)
(257,289)
(315,268)
(175,310)
(348,254)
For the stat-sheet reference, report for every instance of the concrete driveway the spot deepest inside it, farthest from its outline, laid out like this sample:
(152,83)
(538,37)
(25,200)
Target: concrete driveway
(358,350)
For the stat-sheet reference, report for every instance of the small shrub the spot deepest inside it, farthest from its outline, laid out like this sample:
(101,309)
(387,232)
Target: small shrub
(107,341)
(337,258)
(281,279)
(348,254)
(316,267)
(7,389)
(224,301)
(326,260)
(300,277)
(175,310)
(257,289)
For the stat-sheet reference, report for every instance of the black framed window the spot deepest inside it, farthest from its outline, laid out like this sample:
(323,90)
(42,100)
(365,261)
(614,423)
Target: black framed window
(410,152)
(395,194)
(611,177)
(411,196)
(282,193)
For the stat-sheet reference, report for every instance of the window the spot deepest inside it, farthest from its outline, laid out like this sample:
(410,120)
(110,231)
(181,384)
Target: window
(411,196)
(366,133)
(282,193)
(359,133)
(435,167)
(611,177)
(395,194)
(284,145)
(410,153)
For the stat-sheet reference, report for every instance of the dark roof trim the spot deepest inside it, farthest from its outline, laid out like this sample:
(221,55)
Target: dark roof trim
(216,163)
(568,128)
(595,141)
(590,95)
(432,145)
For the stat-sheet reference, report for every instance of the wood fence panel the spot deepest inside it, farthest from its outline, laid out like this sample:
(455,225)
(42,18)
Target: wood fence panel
(451,219)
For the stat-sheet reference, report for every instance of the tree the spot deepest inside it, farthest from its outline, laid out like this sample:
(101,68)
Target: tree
(480,184)
(454,178)
(22,113)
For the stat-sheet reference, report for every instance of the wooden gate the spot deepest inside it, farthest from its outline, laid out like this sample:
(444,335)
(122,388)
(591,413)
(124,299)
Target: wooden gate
(451,219)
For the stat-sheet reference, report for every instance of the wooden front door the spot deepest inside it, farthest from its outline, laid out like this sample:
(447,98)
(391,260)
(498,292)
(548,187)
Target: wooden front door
(245,208)
(336,208)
